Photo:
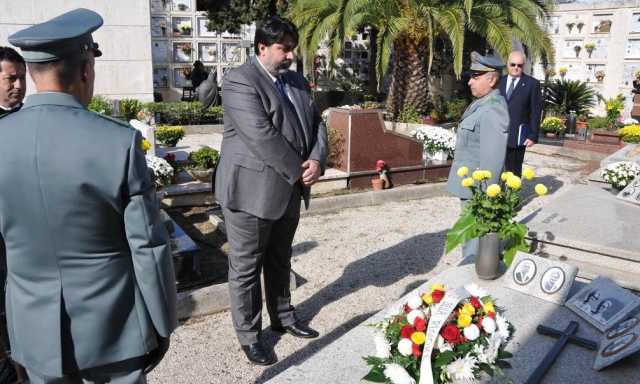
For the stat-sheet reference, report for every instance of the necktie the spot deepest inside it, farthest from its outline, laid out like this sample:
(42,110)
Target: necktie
(280,85)
(511,87)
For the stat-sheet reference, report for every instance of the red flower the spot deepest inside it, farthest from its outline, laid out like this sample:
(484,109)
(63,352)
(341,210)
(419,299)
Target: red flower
(491,314)
(406,331)
(406,308)
(475,302)
(415,348)
(437,295)
(450,333)
(420,324)
(170,157)
(380,165)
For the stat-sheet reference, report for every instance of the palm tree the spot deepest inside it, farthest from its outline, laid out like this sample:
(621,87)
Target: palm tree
(408,29)
(564,96)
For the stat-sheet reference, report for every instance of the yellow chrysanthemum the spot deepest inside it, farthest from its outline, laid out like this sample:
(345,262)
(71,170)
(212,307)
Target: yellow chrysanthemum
(486,175)
(488,307)
(468,309)
(427,298)
(464,320)
(145,145)
(505,175)
(437,287)
(463,171)
(528,173)
(467,182)
(514,182)
(493,190)
(477,175)
(541,190)
(418,337)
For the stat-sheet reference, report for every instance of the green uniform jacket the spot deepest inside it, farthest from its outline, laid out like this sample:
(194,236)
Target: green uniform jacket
(481,141)
(90,277)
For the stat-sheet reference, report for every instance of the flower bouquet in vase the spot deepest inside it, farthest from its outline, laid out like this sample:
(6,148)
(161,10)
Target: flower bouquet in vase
(441,336)
(438,143)
(490,214)
(161,169)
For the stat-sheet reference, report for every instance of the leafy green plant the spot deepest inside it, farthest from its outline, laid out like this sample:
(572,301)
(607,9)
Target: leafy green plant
(614,107)
(569,95)
(169,135)
(129,108)
(204,158)
(410,114)
(182,112)
(455,108)
(101,105)
(598,122)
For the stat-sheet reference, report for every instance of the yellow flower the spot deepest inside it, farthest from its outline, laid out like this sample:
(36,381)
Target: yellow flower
(477,175)
(467,182)
(463,171)
(427,298)
(486,175)
(468,309)
(145,145)
(464,320)
(437,287)
(505,175)
(493,190)
(514,182)
(488,307)
(418,337)
(541,190)
(528,173)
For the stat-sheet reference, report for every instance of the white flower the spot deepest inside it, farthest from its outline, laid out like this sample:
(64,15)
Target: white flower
(405,347)
(475,290)
(383,348)
(411,316)
(414,302)
(491,352)
(471,332)
(461,370)
(442,345)
(162,170)
(397,374)
(435,138)
(488,324)
(503,327)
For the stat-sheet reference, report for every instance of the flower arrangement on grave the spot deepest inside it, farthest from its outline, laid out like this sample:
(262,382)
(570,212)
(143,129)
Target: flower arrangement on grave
(600,75)
(630,133)
(185,27)
(162,170)
(563,71)
(169,135)
(570,26)
(552,124)
(614,107)
(492,209)
(579,26)
(577,49)
(383,170)
(145,116)
(435,139)
(620,174)
(463,344)
(590,47)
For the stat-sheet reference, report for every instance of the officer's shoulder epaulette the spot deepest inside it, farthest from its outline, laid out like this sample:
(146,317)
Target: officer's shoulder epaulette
(114,120)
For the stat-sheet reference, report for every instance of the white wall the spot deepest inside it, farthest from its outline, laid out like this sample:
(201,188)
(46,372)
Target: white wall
(125,68)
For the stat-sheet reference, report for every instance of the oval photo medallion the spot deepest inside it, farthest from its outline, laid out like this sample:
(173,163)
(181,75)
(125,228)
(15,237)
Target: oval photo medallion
(623,327)
(552,280)
(619,344)
(524,272)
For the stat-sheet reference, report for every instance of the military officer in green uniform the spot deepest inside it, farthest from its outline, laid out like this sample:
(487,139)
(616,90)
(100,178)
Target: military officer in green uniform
(90,286)
(481,140)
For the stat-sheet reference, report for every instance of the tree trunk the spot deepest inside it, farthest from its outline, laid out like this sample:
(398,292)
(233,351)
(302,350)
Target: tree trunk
(373,51)
(409,77)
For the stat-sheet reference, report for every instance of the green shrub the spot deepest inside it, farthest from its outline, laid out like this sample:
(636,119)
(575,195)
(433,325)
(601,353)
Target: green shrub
(129,108)
(204,158)
(563,96)
(455,108)
(169,135)
(184,113)
(101,105)
(598,122)
(410,114)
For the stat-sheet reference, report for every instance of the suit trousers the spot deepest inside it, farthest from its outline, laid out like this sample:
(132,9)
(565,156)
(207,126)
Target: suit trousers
(122,372)
(513,160)
(258,244)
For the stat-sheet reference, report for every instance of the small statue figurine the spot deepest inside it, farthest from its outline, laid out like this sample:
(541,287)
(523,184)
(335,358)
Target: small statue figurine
(381,168)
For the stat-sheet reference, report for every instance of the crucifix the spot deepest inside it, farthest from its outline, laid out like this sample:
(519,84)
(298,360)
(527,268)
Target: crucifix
(564,337)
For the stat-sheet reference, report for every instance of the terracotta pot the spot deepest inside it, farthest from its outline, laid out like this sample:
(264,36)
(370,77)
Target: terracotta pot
(581,124)
(377,184)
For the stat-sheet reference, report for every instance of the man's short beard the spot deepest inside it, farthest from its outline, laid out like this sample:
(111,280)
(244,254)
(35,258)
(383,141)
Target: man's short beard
(283,67)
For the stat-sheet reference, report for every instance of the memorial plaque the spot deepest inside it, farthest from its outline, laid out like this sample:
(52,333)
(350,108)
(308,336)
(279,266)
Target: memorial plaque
(603,303)
(546,279)
(618,342)
(631,192)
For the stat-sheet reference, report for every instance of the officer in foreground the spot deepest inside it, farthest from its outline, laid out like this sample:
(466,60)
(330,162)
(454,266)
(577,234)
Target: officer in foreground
(90,286)
(481,140)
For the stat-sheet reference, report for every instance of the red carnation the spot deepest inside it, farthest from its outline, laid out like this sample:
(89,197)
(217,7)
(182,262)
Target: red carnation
(475,302)
(406,308)
(415,348)
(450,333)
(420,324)
(170,157)
(437,296)
(406,331)
(491,314)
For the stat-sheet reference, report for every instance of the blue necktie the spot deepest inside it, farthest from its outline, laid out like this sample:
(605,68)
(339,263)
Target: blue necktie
(511,87)
(280,85)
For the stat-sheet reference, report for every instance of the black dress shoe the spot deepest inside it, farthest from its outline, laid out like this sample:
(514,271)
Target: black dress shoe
(257,354)
(297,330)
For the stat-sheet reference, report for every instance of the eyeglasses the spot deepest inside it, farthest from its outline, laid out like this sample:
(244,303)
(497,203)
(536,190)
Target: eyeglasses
(513,65)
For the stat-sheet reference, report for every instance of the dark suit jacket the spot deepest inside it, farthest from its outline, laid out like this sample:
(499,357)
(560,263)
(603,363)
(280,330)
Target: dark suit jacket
(525,107)
(263,145)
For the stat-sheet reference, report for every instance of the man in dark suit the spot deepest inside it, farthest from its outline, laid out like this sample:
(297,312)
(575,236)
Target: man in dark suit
(274,148)
(524,99)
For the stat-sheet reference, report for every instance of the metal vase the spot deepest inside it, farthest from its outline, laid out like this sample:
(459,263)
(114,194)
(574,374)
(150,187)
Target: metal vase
(488,258)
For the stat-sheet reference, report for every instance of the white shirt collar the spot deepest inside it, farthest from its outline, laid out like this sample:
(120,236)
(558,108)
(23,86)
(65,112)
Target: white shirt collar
(273,78)
(516,79)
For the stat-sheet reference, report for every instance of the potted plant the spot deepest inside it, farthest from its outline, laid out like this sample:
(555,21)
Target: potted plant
(562,71)
(177,167)
(577,49)
(185,28)
(161,170)
(490,216)
(600,76)
(552,126)
(438,143)
(169,135)
(579,26)
(570,26)
(202,163)
(582,122)
(620,174)
(603,27)
(589,47)
(630,133)
(382,181)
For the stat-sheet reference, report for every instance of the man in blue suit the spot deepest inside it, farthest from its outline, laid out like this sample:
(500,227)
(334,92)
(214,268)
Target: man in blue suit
(524,99)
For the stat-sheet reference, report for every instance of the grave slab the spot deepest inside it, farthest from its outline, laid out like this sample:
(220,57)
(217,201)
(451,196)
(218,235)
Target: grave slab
(630,152)
(341,361)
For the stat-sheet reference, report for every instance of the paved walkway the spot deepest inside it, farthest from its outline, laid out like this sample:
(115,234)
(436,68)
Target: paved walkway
(353,264)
